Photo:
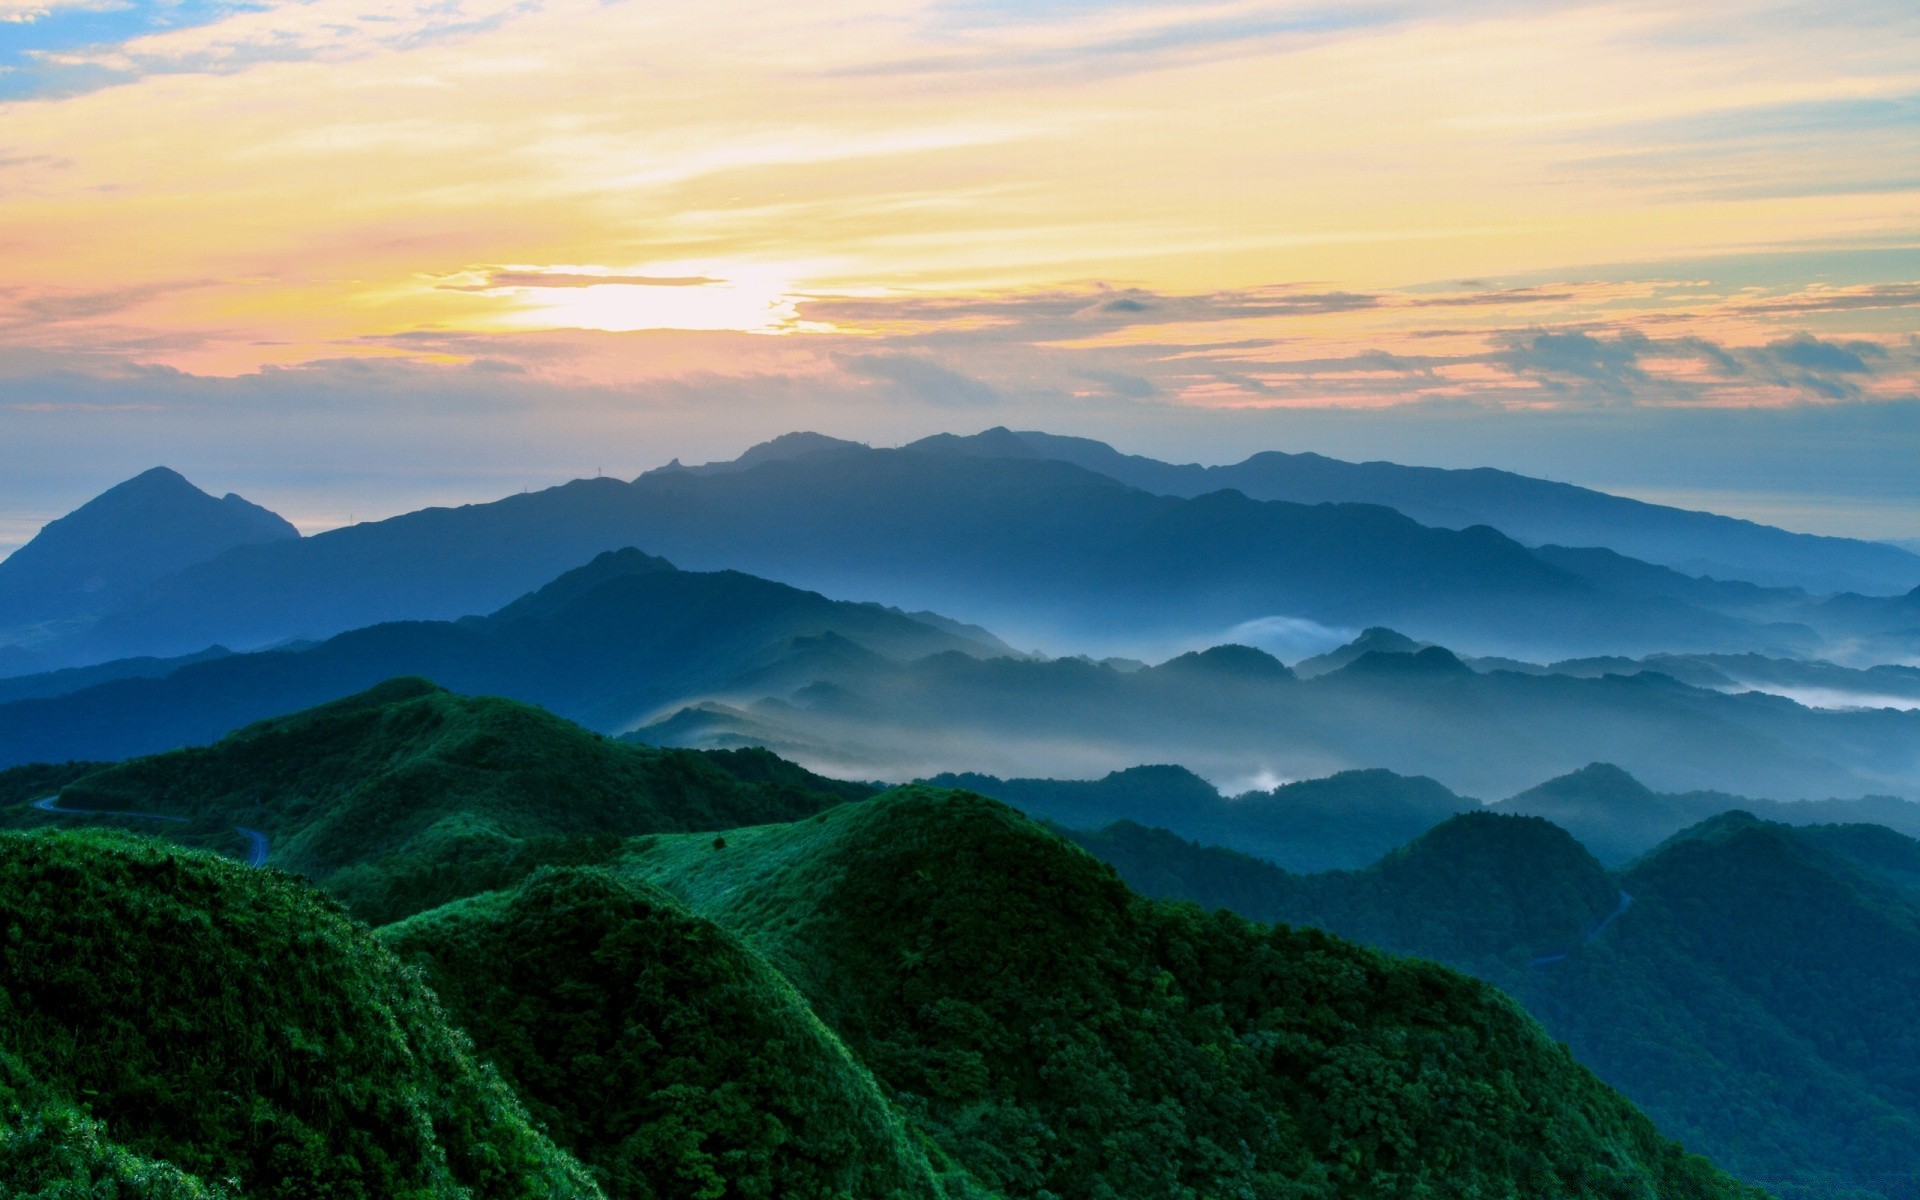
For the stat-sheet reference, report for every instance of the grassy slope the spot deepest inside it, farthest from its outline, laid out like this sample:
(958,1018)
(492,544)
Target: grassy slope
(1059,1035)
(407,796)
(648,1041)
(230,1027)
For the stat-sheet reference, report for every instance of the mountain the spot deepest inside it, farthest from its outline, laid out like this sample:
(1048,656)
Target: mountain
(1043,550)
(1427,713)
(1056,1035)
(177,1025)
(1533,511)
(41,685)
(1751,985)
(119,542)
(406,796)
(606,644)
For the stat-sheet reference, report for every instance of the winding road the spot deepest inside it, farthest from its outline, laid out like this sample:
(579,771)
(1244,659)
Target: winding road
(257,842)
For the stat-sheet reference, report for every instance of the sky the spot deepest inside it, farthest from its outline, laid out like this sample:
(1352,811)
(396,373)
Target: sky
(353,256)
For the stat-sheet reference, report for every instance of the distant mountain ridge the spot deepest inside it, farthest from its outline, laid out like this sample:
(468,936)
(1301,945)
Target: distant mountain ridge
(1042,550)
(1425,712)
(604,644)
(1533,511)
(1349,820)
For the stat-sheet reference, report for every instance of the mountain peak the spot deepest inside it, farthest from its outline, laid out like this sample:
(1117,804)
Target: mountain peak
(606,567)
(1434,661)
(998,442)
(128,536)
(1233,659)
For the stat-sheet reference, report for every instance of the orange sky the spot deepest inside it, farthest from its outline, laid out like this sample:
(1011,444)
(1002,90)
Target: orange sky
(1194,205)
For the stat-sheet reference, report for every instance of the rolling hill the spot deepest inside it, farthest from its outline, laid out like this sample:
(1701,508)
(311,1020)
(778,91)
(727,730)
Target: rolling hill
(1751,985)
(177,1025)
(406,796)
(915,994)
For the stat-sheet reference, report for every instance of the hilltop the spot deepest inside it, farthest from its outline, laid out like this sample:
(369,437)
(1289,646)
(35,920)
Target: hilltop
(176,1025)
(405,796)
(1000,984)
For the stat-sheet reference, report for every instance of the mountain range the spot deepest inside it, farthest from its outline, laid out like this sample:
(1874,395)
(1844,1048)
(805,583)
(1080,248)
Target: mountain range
(1235,715)
(723,659)
(1351,819)
(1535,512)
(605,644)
(1042,549)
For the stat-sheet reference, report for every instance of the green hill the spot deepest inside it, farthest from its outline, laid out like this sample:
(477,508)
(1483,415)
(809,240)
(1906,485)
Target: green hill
(406,796)
(672,1060)
(175,1025)
(1754,987)
(1058,1035)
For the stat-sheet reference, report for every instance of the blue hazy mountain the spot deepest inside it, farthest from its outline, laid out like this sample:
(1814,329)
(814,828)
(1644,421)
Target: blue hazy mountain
(129,536)
(605,644)
(1348,820)
(1344,820)
(1036,549)
(1425,712)
(1533,511)
(1754,987)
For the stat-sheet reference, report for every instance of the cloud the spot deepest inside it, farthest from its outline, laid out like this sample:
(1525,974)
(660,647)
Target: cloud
(1560,360)
(1805,350)
(920,379)
(561,279)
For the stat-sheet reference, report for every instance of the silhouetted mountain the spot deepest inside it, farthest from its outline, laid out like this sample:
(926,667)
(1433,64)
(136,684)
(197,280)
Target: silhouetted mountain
(130,535)
(1532,511)
(1039,549)
(606,645)
(1424,713)
(1754,987)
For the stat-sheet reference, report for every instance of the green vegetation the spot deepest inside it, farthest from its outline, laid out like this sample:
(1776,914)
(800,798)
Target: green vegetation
(407,796)
(672,1060)
(174,1025)
(1759,998)
(1060,1036)
(716,975)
